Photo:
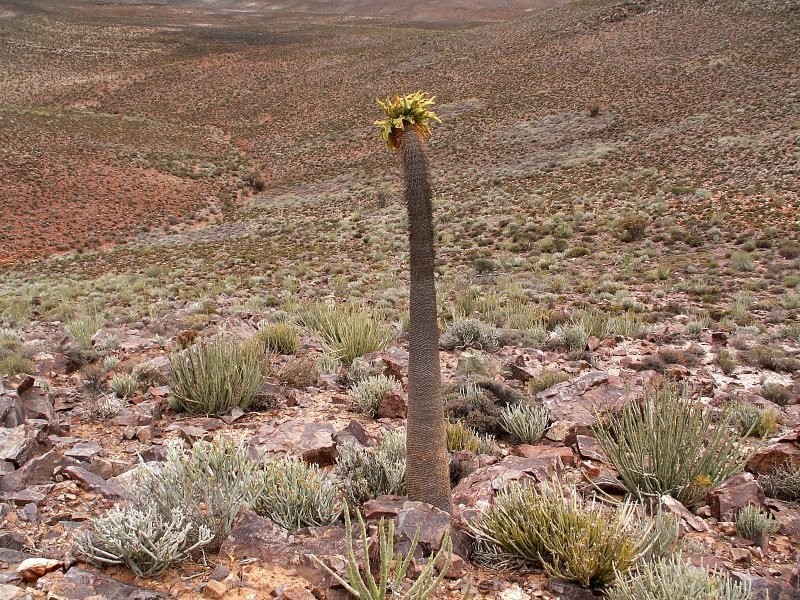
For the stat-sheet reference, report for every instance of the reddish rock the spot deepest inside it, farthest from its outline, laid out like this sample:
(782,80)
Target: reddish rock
(579,399)
(37,404)
(570,591)
(354,432)
(79,584)
(562,431)
(555,457)
(729,497)
(12,411)
(37,470)
(589,447)
(51,364)
(21,443)
(383,507)
(475,492)
(393,405)
(673,506)
(313,442)
(94,483)
(765,460)
(32,569)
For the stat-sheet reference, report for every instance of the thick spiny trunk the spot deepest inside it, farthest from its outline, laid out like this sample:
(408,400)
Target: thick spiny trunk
(427,470)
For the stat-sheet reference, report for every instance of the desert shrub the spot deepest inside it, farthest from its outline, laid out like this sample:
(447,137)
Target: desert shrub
(672,579)
(104,407)
(279,338)
(545,379)
(632,227)
(13,364)
(123,385)
(753,420)
(477,405)
(368,393)
(299,372)
(209,484)
(775,392)
(110,362)
(367,474)
(82,329)
(462,437)
(755,524)
(345,331)
(726,361)
(742,261)
(661,445)
(9,339)
(213,377)
(662,531)
(783,483)
(327,363)
(392,567)
(572,336)
(296,494)
(149,375)
(789,249)
(468,332)
(525,422)
(145,540)
(521,315)
(574,539)
(771,358)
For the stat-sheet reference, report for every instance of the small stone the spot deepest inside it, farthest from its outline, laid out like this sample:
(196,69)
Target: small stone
(215,589)
(740,554)
(31,569)
(84,450)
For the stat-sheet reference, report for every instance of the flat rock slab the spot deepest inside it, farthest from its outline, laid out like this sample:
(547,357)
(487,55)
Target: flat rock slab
(255,537)
(580,399)
(313,442)
(475,492)
(77,584)
(20,444)
(84,450)
(93,483)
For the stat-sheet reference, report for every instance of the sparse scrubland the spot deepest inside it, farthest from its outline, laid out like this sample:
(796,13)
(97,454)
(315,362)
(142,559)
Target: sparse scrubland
(204,312)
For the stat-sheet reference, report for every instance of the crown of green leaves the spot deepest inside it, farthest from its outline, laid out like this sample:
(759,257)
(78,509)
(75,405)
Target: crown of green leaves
(409,110)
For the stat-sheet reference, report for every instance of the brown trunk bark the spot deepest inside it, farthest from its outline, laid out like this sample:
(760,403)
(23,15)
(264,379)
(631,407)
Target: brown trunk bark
(427,469)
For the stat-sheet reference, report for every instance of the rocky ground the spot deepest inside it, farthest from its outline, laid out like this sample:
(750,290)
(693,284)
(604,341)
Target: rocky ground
(62,466)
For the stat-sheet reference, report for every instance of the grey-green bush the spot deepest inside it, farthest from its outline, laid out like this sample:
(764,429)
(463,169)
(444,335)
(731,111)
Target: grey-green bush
(368,392)
(146,541)
(467,332)
(526,423)
(755,524)
(213,377)
(573,539)
(672,579)
(367,474)
(296,494)
(662,445)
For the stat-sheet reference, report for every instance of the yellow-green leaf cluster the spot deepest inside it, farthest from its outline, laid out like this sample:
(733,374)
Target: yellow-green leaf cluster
(411,109)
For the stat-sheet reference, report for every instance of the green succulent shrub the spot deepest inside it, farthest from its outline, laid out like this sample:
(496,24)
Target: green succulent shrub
(526,423)
(368,473)
(295,494)
(545,379)
(662,445)
(673,579)
(392,567)
(755,524)
(462,437)
(279,338)
(369,391)
(213,377)
(82,329)
(571,538)
(467,332)
(345,332)
(123,385)
(754,420)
